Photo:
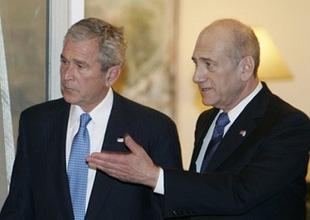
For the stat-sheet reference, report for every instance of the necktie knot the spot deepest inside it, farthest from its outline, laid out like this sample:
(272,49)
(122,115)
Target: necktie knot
(220,124)
(84,120)
(222,120)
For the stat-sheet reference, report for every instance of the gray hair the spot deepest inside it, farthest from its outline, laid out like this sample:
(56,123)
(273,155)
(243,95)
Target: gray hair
(112,45)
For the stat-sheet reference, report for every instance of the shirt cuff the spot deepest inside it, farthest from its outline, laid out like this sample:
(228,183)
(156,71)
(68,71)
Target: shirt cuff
(160,183)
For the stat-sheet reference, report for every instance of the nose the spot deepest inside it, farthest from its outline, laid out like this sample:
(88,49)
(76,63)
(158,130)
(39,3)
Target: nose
(67,71)
(199,75)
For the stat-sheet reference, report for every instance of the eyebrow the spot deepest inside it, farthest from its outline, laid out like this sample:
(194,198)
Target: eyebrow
(79,62)
(207,60)
(204,59)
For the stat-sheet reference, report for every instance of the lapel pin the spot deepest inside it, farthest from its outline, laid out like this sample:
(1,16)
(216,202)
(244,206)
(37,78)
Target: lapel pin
(120,140)
(242,133)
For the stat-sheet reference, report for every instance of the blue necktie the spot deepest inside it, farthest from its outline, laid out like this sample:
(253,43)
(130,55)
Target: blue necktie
(78,169)
(216,139)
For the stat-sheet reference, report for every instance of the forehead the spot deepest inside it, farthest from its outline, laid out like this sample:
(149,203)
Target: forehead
(211,44)
(83,49)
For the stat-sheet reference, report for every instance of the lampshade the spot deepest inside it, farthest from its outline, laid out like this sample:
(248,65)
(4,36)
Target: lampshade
(272,66)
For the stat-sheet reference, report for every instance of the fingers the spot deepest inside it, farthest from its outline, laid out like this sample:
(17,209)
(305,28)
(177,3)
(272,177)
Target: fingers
(106,162)
(132,145)
(108,156)
(114,164)
(135,166)
(103,160)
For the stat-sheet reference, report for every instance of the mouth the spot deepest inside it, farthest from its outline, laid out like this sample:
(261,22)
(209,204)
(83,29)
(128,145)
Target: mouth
(205,89)
(68,89)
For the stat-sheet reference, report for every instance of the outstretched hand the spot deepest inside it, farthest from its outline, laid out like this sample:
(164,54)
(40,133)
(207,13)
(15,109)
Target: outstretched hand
(134,167)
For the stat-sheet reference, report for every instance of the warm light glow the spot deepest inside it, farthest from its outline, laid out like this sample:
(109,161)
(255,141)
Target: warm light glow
(272,66)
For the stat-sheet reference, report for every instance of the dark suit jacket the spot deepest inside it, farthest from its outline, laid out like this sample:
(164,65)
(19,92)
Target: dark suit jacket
(259,176)
(39,188)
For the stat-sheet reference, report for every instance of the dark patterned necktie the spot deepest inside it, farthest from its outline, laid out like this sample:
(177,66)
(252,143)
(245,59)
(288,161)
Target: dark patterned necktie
(216,139)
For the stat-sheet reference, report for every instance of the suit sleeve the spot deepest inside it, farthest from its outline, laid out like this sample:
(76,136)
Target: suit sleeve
(18,205)
(278,163)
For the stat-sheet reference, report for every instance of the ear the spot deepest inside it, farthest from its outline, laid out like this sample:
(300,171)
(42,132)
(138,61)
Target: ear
(246,66)
(112,75)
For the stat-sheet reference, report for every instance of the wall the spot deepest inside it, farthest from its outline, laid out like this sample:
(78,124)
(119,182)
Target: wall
(287,22)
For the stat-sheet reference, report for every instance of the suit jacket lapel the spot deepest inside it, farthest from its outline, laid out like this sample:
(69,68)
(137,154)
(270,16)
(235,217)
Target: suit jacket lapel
(231,141)
(103,184)
(56,151)
(248,121)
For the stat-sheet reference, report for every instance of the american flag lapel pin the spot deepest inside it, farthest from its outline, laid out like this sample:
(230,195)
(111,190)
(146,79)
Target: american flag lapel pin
(242,133)
(120,140)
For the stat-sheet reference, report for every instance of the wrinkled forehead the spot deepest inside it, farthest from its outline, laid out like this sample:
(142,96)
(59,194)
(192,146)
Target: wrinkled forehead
(212,40)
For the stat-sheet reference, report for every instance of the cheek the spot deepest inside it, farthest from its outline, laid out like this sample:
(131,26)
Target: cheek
(230,89)
(92,86)
(222,88)
(85,86)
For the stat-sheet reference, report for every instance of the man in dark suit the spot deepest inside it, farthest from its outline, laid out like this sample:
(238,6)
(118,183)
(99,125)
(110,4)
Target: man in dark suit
(251,149)
(42,185)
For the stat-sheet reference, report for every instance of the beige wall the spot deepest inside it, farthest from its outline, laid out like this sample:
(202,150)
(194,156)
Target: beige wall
(288,23)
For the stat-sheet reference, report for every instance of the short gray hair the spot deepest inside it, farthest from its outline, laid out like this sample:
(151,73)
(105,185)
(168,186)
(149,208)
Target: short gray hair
(112,45)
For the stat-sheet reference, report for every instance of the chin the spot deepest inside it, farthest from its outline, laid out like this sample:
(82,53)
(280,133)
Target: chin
(69,99)
(207,102)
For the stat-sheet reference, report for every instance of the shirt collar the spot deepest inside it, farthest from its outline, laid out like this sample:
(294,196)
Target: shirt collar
(235,112)
(97,113)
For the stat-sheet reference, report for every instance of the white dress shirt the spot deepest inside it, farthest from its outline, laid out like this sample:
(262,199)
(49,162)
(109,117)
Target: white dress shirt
(232,114)
(96,129)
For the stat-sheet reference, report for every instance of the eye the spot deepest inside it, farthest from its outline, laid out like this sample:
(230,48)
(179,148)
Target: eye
(63,61)
(81,66)
(210,66)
